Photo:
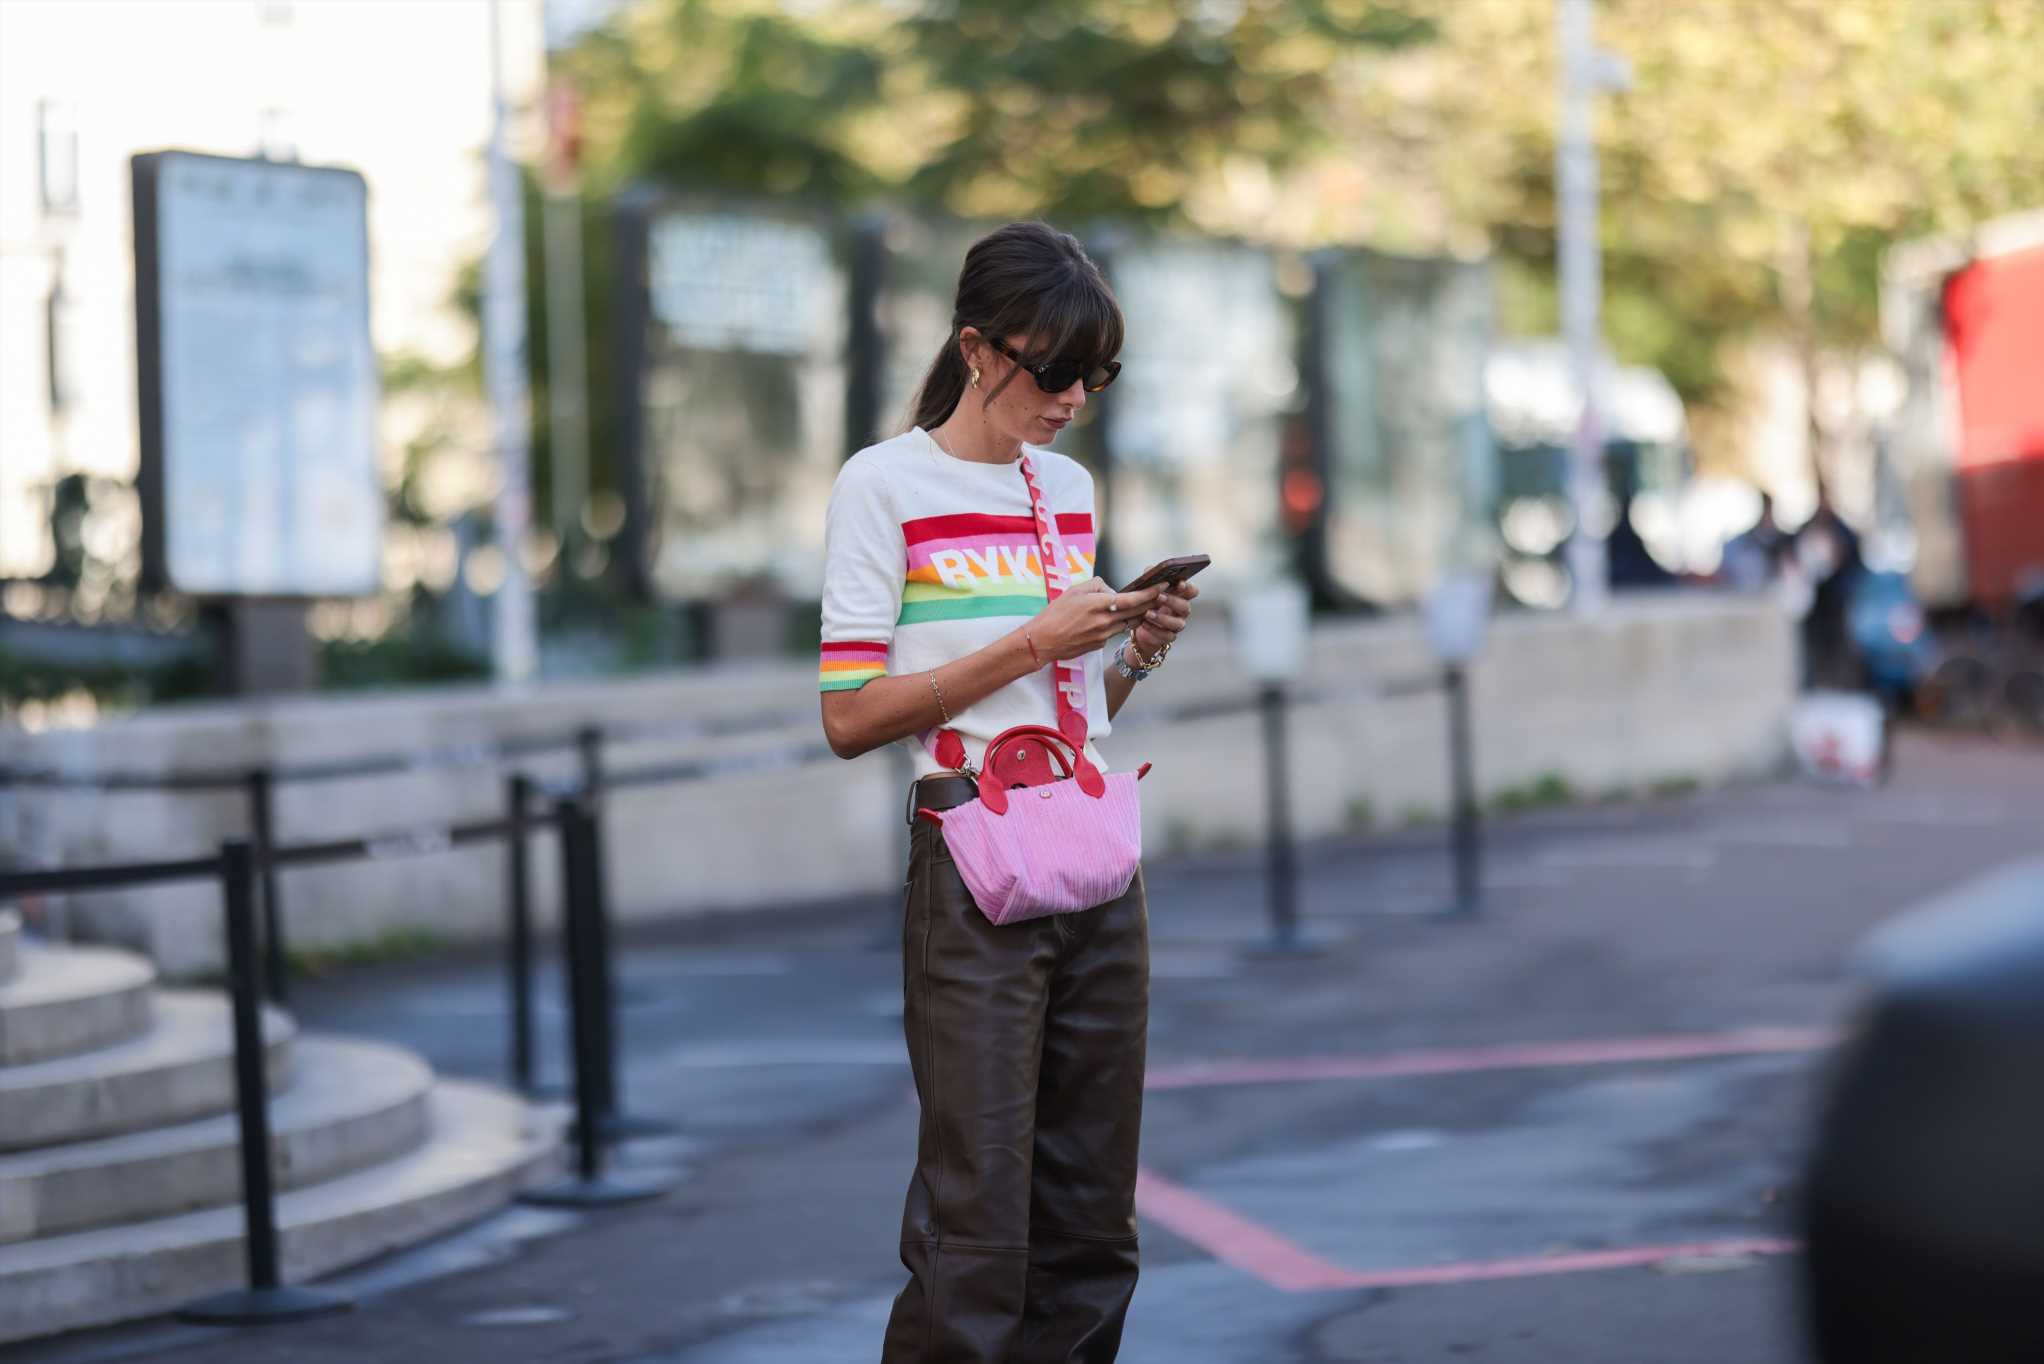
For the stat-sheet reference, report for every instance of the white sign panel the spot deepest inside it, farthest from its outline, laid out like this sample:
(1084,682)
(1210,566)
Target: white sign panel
(739,282)
(267,379)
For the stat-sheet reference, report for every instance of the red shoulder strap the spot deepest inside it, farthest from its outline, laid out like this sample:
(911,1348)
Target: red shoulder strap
(1069,674)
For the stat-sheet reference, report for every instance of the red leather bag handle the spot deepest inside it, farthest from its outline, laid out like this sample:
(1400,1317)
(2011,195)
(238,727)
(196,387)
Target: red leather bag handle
(994,794)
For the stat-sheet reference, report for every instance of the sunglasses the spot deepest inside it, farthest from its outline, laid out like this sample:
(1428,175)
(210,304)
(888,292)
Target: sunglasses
(1055,376)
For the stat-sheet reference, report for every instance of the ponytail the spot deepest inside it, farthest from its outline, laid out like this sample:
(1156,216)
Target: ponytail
(942,387)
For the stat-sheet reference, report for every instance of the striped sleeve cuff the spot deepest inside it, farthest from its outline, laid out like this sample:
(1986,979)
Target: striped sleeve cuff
(850,665)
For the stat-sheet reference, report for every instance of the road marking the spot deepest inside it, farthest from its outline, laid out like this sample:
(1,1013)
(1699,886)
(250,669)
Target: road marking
(1788,834)
(1935,813)
(1262,1254)
(1254,1249)
(1582,1262)
(1531,1056)
(1626,854)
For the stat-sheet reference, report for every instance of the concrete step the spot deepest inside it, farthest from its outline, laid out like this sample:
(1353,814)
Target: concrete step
(182,1068)
(64,1000)
(350,1105)
(10,940)
(485,1146)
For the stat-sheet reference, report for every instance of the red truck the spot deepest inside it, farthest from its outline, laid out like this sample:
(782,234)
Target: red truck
(1967,320)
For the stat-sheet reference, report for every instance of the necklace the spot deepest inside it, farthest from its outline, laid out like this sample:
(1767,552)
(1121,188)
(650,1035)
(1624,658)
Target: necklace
(939,443)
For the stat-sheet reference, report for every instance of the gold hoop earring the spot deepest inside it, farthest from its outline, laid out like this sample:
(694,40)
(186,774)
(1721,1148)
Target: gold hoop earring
(975,376)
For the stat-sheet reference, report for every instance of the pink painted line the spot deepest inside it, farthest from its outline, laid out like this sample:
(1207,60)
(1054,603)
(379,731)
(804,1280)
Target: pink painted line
(1254,1249)
(1263,1254)
(1625,1257)
(1595,1052)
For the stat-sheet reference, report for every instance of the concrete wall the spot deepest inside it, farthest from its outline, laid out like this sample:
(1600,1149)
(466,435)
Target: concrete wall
(1665,688)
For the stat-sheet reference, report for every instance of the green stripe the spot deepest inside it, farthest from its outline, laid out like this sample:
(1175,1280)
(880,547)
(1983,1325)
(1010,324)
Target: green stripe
(969,608)
(849,683)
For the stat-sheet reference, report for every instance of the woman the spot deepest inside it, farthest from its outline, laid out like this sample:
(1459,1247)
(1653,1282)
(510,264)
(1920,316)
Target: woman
(1026,1040)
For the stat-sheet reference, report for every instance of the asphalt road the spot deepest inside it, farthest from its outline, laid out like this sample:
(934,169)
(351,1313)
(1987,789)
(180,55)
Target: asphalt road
(1566,1132)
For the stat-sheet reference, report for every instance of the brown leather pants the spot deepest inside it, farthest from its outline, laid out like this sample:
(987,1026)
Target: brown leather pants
(1027,1043)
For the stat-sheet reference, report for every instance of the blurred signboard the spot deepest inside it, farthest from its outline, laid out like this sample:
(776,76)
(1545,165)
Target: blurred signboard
(1410,466)
(1208,372)
(739,282)
(744,400)
(257,378)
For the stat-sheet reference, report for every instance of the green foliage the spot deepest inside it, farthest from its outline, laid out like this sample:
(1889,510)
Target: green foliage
(1071,108)
(1674,787)
(115,684)
(1360,816)
(407,656)
(1543,792)
(399,944)
(1765,154)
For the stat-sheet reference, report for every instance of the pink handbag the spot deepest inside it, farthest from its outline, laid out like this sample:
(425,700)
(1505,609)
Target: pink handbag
(1050,833)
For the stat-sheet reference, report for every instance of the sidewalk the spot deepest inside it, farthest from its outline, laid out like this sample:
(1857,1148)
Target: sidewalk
(1608,1074)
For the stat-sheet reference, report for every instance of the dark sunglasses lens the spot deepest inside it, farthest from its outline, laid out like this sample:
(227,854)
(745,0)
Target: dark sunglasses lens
(1059,375)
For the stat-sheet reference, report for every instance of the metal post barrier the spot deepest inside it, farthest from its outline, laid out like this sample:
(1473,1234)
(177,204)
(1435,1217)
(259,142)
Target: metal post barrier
(1466,833)
(267,1298)
(518,960)
(617,1124)
(590,1185)
(262,811)
(1282,875)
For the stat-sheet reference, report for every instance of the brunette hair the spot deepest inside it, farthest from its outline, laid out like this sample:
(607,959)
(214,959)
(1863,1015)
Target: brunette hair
(1025,279)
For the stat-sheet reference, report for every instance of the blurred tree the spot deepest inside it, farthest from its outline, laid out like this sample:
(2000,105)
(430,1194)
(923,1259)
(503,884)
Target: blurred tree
(1765,155)
(1070,108)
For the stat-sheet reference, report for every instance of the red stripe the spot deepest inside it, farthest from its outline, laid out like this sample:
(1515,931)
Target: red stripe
(1255,1250)
(1258,1251)
(972,523)
(853,646)
(1583,1262)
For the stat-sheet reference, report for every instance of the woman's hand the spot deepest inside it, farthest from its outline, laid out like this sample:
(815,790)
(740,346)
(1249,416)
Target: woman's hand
(1162,623)
(1085,617)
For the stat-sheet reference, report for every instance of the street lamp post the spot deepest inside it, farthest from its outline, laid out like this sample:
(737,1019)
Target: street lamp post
(514,643)
(1584,71)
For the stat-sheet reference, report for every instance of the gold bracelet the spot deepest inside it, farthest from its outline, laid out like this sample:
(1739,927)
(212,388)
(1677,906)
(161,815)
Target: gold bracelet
(1156,659)
(938,692)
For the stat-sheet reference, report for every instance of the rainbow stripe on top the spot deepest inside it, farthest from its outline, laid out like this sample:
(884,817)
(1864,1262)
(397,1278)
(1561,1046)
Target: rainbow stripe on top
(972,566)
(851,665)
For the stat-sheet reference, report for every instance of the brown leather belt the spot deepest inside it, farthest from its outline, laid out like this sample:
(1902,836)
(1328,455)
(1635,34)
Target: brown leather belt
(940,791)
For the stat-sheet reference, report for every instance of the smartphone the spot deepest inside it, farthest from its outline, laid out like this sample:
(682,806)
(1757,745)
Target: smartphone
(1173,571)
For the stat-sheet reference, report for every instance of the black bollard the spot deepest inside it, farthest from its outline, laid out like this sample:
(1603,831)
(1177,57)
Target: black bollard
(262,816)
(267,1298)
(1283,859)
(518,955)
(590,1185)
(617,1124)
(1281,864)
(1466,833)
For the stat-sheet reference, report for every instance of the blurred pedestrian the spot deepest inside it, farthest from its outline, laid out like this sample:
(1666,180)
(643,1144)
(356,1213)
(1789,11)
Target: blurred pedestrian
(1027,1040)
(1630,563)
(1826,554)
(1752,558)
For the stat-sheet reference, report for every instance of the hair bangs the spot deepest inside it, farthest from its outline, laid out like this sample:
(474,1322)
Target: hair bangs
(1078,317)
